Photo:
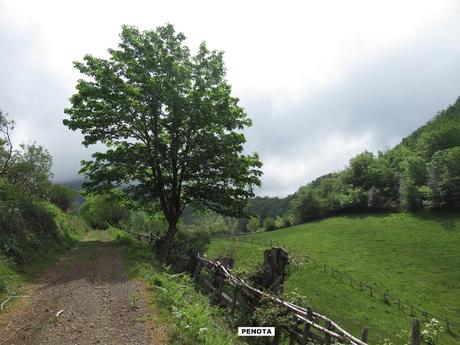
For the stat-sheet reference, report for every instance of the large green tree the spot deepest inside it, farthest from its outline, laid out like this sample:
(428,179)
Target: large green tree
(172,128)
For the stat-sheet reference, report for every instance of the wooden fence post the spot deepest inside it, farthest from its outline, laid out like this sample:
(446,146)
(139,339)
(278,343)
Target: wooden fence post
(306,327)
(276,338)
(196,274)
(220,285)
(327,337)
(386,298)
(447,326)
(365,334)
(292,339)
(235,296)
(415,332)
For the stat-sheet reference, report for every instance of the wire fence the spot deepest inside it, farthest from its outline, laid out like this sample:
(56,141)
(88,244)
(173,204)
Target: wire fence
(372,289)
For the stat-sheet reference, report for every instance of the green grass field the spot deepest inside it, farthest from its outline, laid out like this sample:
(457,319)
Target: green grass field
(415,257)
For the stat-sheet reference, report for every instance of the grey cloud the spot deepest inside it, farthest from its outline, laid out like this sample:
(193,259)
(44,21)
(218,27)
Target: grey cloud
(387,97)
(35,98)
(382,97)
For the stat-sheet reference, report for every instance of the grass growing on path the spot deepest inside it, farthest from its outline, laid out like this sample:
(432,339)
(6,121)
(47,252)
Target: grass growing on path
(414,257)
(41,255)
(189,317)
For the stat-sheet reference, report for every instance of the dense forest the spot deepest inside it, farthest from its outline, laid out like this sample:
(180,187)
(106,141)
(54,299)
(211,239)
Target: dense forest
(420,173)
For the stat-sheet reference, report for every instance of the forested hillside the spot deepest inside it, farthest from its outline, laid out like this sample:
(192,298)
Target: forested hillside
(420,173)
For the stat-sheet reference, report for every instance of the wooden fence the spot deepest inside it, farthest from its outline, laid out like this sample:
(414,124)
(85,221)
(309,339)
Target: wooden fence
(368,288)
(213,277)
(309,325)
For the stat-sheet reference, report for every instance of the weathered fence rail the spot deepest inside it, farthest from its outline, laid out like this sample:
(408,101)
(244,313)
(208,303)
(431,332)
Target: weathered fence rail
(313,326)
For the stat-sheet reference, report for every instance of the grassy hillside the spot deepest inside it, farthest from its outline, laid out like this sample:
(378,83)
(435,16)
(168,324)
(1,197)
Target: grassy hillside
(415,257)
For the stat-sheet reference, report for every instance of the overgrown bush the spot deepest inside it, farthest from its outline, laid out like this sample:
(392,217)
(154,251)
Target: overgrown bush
(269,224)
(429,335)
(181,251)
(142,222)
(62,196)
(29,225)
(103,210)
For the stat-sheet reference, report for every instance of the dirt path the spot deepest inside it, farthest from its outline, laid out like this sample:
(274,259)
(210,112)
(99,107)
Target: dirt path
(100,304)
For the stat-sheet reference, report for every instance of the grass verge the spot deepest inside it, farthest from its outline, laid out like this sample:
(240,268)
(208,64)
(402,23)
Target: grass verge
(190,318)
(41,254)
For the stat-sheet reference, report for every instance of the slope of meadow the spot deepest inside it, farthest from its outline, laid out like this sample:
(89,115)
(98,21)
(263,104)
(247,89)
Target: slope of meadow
(414,257)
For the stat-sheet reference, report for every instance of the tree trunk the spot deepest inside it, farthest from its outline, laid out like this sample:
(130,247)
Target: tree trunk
(172,229)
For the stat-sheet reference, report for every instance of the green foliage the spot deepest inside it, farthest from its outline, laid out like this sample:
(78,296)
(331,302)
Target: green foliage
(32,230)
(374,199)
(24,222)
(194,242)
(306,205)
(268,207)
(253,224)
(30,170)
(102,210)
(210,221)
(142,222)
(430,335)
(172,128)
(363,171)
(444,170)
(270,314)
(34,234)
(191,311)
(269,224)
(420,173)
(62,196)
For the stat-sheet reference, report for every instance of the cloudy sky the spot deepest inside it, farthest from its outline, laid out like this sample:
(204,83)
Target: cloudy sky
(322,80)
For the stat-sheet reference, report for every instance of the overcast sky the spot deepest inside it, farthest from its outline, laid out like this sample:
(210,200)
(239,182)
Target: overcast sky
(322,80)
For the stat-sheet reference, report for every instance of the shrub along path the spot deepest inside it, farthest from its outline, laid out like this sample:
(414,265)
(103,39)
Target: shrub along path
(86,298)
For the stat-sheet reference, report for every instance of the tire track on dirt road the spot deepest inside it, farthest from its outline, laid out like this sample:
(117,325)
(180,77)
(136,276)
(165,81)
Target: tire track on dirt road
(100,304)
